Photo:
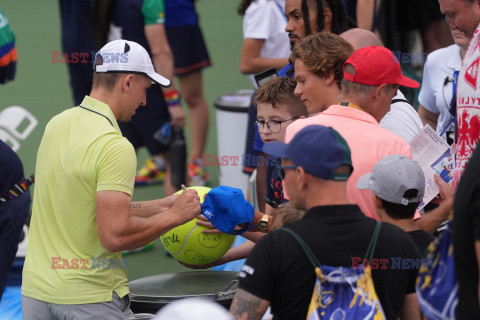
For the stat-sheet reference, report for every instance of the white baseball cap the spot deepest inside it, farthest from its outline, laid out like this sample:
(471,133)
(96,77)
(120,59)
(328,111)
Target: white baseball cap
(193,309)
(128,57)
(392,176)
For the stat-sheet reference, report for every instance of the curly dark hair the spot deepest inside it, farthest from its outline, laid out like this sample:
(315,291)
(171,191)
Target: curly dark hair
(243,6)
(341,22)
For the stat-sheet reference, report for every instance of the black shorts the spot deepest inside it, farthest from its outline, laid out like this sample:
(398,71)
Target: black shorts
(81,75)
(147,120)
(188,49)
(417,15)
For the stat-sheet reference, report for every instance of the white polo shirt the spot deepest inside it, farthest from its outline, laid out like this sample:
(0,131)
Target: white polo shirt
(435,95)
(265,19)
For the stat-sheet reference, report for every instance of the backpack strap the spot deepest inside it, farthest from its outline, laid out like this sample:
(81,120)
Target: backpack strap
(373,242)
(400,100)
(304,246)
(311,255)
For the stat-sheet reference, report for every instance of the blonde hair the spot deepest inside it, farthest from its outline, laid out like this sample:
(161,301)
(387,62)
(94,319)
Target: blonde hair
(286,213)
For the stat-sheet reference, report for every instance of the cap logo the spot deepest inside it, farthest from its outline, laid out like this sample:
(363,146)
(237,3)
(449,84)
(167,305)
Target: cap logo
(207,213)
(127,48)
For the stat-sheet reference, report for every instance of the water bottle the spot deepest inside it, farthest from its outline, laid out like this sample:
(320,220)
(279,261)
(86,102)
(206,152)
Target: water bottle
(178,157)
(164,134)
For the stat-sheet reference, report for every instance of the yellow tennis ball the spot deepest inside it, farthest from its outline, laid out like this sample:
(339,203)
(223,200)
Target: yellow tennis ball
(188,244)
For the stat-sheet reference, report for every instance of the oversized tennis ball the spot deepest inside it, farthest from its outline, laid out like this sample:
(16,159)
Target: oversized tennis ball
(188,244)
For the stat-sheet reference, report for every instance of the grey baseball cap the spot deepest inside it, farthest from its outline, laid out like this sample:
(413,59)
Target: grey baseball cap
(392,176)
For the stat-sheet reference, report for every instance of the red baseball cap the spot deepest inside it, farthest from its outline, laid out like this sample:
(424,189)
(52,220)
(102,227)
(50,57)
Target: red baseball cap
(375,66)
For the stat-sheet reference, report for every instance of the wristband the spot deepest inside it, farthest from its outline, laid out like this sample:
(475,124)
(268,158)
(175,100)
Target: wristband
(172,98)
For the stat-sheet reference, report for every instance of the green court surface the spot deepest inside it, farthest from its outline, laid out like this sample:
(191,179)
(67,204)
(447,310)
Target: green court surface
(42,88)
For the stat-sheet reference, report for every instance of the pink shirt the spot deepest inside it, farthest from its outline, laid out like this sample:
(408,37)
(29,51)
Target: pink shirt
(368,142)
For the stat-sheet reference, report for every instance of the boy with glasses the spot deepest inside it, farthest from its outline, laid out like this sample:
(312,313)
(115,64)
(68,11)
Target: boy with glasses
(277,107)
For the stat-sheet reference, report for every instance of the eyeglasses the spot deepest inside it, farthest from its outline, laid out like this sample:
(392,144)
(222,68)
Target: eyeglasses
(281,170)
(449,18)
(273,125)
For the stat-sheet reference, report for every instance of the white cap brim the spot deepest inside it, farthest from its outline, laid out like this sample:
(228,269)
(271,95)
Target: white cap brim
(128,56)
(162,81)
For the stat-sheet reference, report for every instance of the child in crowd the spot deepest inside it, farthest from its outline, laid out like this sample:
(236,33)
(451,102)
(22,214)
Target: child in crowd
(398,184)
(277,107)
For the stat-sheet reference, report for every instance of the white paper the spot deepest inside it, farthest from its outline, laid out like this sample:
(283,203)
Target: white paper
(432,153)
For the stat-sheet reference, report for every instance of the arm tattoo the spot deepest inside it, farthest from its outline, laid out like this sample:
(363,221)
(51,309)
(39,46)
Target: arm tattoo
(135,205)
(246,306)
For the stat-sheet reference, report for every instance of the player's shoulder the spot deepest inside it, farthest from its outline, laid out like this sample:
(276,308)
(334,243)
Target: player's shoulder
(114,140)
(62,119)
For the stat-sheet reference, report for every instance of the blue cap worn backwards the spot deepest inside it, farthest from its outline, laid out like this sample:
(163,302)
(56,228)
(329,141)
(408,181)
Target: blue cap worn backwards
(225,207)
(317,149)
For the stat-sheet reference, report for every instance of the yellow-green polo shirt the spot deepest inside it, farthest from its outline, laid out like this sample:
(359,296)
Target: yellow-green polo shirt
(82,151)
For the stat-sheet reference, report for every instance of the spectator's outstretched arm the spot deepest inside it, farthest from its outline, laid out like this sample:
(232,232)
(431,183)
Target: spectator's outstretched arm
(410,309)
(253,235)
(233,254)
(433,219)
(248,306)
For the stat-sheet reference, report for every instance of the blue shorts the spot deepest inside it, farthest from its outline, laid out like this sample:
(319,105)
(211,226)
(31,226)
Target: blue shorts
(147,120)
(188,49)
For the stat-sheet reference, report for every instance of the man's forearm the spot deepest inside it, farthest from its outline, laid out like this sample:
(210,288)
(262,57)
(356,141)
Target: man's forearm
(142,229)
(149,208)
(145,209)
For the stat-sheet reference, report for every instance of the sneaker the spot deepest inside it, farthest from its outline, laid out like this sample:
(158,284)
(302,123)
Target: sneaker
(196,173)
(146,247)
(152,172)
